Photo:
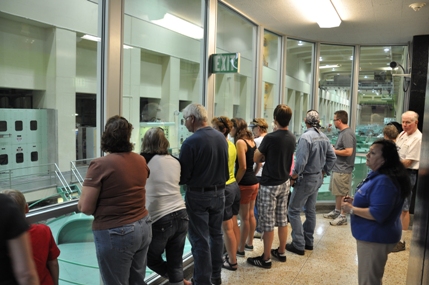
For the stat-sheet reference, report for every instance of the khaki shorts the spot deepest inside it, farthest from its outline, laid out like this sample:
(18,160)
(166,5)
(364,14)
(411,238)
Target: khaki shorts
(340,184)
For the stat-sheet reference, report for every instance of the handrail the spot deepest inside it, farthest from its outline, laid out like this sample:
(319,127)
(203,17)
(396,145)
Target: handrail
(66,186)
(76,173)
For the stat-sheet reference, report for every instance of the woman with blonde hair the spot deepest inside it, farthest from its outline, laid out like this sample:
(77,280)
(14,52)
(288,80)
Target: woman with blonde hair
(247,182)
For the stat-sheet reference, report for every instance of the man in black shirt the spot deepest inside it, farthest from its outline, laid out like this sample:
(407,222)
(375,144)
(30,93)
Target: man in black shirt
(204,161)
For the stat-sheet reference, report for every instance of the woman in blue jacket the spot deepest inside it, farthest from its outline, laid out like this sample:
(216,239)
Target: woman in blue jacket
(376,208)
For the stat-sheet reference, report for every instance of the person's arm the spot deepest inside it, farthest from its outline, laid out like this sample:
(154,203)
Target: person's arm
(344,152)
(88,200)
(258,166)
(362,212)
(54,269)
(407,162)
(258,157)
(22,260)
(241,159)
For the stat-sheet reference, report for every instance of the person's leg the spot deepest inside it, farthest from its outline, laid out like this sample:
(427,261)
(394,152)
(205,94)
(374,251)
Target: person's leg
(138,266)
(216,210)
(268,239)
(116,249)
(197,204)
(174,247)
(333,186)
(229,240)
(160,234)
(281,213)
(296,203)
(310,211)
(252,224)
(244,225)
(372,258)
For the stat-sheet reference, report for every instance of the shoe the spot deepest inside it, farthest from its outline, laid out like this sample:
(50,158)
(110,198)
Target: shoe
(400,246)
(332,214)
(227,265)
(291,248)
(216,281)
(241,253)
(248,247)
(259,262)
(257,234)
(280,256)
(308,247)
(339,221)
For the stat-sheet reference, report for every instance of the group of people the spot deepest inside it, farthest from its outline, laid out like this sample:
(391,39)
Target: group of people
(139,212)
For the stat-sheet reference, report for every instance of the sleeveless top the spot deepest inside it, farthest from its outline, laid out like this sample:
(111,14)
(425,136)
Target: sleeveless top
(249,177)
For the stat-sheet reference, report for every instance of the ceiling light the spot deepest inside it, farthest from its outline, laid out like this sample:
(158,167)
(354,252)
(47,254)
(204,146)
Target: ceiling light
(327,16)
(417,6)
(91,38)
(329,66)
(300,43)
(128,47)
(386,50)
(180,26)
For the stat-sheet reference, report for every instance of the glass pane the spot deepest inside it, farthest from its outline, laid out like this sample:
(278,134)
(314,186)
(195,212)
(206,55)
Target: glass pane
(163,55)
(234,94)
(335,81)
(298,82)
(271,75)
(47,62)
(381,92)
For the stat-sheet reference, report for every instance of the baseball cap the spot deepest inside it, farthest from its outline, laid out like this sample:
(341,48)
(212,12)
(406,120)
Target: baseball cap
(259,122)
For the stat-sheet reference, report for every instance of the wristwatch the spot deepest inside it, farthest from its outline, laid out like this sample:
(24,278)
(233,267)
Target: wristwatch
(351,211)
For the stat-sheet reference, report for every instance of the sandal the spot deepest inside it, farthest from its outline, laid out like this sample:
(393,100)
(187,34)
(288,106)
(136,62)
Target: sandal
(227,265)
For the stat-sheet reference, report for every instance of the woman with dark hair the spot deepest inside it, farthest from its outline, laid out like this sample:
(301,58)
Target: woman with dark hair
(166,208)
(231,231)
(247,182)
(114,193)
(376,209)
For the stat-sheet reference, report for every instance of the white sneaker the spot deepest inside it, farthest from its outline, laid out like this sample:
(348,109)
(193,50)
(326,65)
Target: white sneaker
(257,234)
(339,221)
(332,214)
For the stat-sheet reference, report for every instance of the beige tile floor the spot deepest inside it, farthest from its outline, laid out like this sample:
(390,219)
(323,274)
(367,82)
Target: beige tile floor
(333,261)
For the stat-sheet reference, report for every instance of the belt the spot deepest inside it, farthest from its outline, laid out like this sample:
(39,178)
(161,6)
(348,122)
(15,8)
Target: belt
(414,171)
(205,189)
(311,173)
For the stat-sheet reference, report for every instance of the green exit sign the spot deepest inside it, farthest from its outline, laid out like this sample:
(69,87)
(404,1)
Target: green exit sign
(225,63)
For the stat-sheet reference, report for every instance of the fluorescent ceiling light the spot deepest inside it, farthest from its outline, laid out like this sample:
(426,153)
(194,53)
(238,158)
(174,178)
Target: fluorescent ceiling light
(97,39)
(327,16)
(91,38)
(180,26)
(330,66)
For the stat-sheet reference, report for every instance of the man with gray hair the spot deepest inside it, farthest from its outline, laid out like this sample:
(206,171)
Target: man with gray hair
(204,161)
(315,157)
(409,143)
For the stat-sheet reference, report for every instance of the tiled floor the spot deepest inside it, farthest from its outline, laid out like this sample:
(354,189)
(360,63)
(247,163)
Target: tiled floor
(333,261)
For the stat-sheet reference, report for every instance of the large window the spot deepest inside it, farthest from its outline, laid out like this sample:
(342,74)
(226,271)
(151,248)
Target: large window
(272,63)
(235,93)
(163,55)
(299,82)
(381,91)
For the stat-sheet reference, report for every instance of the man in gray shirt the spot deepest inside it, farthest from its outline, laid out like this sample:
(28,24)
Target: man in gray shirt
(315,157)
(341,178)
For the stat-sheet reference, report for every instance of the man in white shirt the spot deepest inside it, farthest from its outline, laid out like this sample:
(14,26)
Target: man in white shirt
(409,142)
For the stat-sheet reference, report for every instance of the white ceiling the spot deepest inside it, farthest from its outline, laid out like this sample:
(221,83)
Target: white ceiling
(367,22)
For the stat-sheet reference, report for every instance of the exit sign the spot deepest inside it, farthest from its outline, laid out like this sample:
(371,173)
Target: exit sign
(225,63)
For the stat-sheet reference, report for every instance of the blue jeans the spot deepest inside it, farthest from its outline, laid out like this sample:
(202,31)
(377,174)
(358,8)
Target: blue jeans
(304,197)
(205,210)
(169,233)
(121,252)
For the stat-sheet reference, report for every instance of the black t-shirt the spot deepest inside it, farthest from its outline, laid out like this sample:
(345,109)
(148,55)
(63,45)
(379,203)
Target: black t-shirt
(278,148)
(12,225)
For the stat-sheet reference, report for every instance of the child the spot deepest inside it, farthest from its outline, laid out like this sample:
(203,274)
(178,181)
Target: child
(45,250)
